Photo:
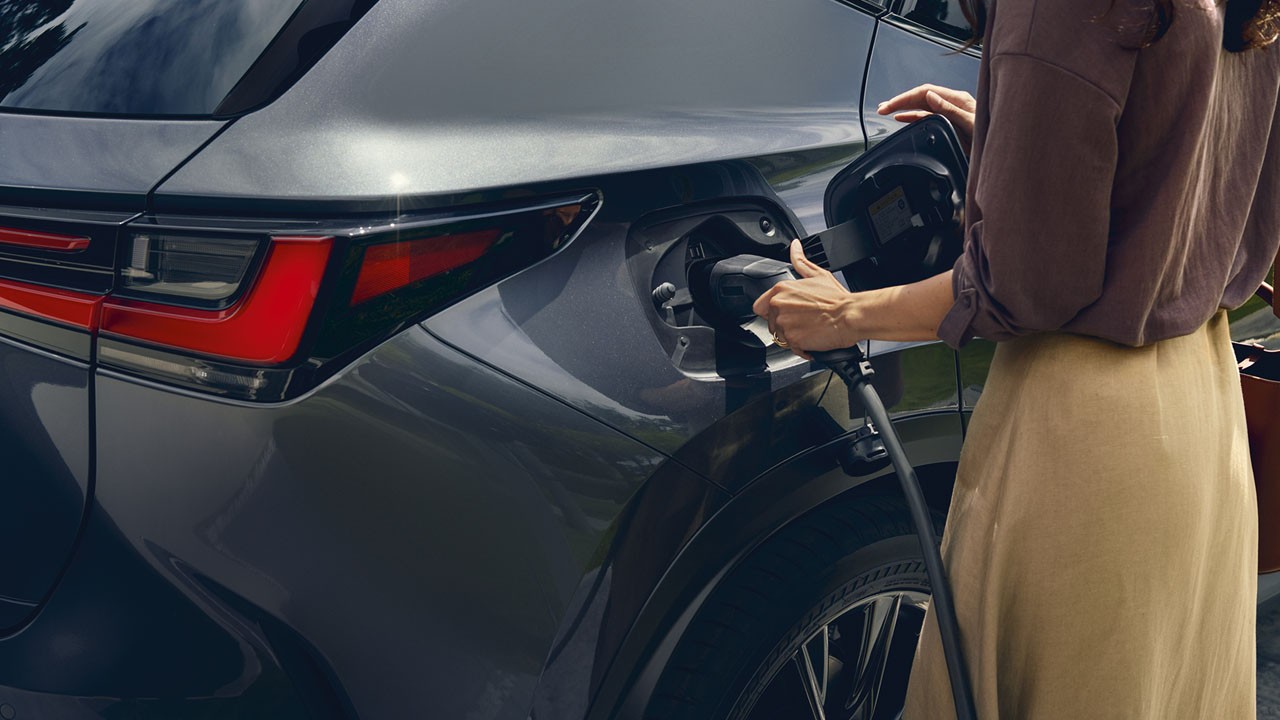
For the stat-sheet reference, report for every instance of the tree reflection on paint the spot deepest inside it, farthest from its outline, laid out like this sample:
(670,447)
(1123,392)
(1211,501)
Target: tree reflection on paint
(131,57)
(23,46)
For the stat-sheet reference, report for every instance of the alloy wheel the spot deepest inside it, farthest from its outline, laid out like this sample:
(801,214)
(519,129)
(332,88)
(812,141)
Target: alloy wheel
(854,667)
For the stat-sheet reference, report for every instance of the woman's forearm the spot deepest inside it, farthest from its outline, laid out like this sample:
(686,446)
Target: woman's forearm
(902,313)
(816,312)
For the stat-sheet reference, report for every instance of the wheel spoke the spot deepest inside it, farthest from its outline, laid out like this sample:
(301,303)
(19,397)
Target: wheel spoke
(817,654)
(852,668)
(879,621)
(809,681)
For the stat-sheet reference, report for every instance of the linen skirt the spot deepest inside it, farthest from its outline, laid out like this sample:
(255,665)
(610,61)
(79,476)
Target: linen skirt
(1102,537)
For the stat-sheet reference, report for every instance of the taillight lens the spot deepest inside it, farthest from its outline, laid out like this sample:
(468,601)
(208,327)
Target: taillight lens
(393,265)
(264,328)
(400,275)
(43,240)
(266,316)
(74,309)
(198,271)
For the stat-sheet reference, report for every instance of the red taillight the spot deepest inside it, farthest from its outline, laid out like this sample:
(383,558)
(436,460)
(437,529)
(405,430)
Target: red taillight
(43,240)
(391,266)
(257,311)
(64,306)
(263,327)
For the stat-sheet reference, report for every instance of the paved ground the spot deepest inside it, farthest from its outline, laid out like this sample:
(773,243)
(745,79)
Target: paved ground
(1269,661)
(1269,647)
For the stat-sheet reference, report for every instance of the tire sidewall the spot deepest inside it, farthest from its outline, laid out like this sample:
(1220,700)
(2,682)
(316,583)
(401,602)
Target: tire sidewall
(889,565)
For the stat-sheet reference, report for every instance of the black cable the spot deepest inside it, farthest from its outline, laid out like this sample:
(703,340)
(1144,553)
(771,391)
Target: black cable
(854,369)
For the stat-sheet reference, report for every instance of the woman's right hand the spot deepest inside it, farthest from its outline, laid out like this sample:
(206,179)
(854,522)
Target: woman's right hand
(919,102)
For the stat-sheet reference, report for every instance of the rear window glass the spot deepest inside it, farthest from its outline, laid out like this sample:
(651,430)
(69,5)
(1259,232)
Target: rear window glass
(131,57)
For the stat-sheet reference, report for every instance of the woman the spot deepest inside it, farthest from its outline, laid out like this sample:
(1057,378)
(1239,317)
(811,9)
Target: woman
(1124,189)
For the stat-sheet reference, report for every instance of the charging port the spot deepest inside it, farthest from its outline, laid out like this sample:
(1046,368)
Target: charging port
(661,252)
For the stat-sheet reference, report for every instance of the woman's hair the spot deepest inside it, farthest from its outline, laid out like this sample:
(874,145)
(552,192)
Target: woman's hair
(1249,23)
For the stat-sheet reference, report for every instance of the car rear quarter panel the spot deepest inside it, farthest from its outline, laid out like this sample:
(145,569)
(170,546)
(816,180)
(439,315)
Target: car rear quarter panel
(44,420)
(437,532)
(459,95)
(91,163)
(422,524)
(47,164)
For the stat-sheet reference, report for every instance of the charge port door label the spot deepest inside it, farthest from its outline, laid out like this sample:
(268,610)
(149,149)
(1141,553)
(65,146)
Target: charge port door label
(891,215)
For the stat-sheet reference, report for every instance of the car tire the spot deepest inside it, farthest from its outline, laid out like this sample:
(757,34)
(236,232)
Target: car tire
(827,611)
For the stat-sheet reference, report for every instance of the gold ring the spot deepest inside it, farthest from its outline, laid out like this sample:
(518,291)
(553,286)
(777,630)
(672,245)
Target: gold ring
(780,342)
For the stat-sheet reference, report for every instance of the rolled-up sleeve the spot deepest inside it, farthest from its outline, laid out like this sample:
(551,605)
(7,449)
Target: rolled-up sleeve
(1035,255)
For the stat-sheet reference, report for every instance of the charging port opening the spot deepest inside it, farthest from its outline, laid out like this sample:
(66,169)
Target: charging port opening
(661,252)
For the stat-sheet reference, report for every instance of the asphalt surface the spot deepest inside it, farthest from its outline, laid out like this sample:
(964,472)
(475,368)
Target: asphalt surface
(1269,662)
(1269,647)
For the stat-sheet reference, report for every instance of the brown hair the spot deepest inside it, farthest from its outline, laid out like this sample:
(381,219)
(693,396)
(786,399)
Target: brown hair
(1249,24)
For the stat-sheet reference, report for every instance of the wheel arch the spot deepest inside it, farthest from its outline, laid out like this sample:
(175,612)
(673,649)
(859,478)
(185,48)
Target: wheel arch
(763,507)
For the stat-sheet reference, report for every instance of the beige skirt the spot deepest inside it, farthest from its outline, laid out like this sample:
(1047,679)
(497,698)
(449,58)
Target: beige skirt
(1102,537)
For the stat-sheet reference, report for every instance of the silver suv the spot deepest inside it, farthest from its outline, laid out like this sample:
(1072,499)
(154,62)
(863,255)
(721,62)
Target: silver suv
(334,382)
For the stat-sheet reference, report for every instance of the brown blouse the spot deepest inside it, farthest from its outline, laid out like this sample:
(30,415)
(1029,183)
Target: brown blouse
(1120,193)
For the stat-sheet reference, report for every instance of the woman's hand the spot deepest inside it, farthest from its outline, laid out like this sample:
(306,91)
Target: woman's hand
(920,102)
(810,313)
(817,313)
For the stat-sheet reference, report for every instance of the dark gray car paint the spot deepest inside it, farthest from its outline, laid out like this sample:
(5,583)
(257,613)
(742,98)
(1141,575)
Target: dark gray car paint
(902,60)
(775,498)
(424,535)
(91,163)
(581,329)
(606,361)
(44,411)
(422,521)
(469,95)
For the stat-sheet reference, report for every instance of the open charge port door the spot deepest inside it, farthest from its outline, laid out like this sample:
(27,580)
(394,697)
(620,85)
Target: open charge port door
(894,215)
(660,250)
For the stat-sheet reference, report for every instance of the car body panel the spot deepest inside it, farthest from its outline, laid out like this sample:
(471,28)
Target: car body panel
(582,327)
(91,163)
(780,495)
(536,326)
(470,520)
(95,166)
(901,60)
(423,523)
(915,377)
(44,416)
(576,90)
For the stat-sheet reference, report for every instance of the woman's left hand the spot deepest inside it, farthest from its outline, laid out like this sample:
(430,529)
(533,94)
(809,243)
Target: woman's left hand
(812,313)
